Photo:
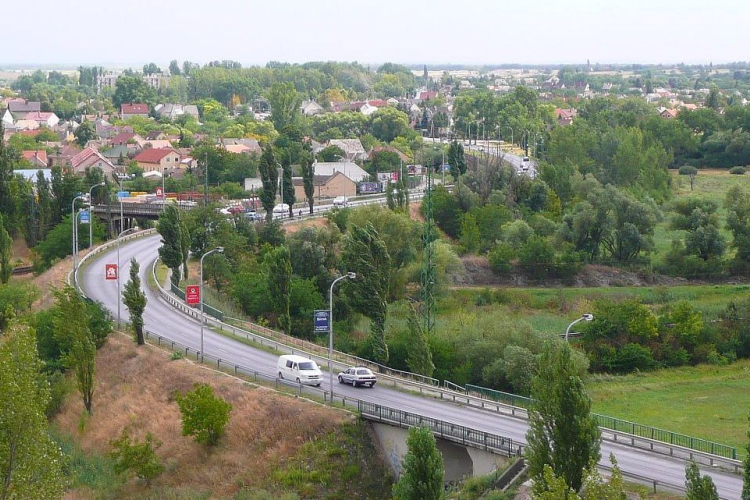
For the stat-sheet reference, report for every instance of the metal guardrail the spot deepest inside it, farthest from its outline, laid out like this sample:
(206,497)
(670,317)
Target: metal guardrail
(446,430)
(206,308)
(619,425)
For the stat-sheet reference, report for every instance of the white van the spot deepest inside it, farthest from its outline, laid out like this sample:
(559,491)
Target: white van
(300,369)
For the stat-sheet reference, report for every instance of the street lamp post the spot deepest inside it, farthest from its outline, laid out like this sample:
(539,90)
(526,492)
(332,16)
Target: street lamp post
(351,276)
(220,250)
(74,216)
(91,219)
(585,317)
(119,298)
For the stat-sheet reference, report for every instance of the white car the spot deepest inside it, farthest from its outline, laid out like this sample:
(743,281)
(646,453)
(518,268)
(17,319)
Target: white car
(281,208)
(340,201)
(357,375)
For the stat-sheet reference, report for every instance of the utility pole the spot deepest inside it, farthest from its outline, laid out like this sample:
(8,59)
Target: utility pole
(205,180)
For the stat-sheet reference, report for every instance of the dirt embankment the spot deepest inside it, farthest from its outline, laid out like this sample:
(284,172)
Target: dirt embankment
(134,390)
(478,273)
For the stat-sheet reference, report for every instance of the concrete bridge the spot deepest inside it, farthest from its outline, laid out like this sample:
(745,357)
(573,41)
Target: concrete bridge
(466,452)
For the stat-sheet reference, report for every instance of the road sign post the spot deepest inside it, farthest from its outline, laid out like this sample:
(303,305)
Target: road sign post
(85,217)
(322,319)
(192,295)
(111,271)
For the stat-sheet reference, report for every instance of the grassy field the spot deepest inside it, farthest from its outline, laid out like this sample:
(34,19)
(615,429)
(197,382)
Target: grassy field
(704,401)
(709,184)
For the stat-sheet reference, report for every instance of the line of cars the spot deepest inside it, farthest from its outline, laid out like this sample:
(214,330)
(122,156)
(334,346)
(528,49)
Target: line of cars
(306,371)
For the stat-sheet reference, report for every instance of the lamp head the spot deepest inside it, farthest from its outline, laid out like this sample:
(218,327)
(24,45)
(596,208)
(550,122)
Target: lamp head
(588,317)
(221,250)
(351,276)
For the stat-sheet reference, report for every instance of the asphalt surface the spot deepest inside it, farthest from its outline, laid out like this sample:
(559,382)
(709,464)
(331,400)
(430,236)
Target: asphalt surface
(162,319)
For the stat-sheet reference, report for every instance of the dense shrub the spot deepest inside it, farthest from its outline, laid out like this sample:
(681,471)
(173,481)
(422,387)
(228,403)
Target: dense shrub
(500,258)
(737,170)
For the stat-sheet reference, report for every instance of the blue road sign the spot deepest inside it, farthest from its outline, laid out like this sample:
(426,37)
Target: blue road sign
(322,321)
(85,217)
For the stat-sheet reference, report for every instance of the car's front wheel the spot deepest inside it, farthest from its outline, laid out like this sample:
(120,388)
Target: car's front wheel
(341,379)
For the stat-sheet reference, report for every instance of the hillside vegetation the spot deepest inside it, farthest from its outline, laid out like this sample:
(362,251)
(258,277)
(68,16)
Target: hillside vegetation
(274,445)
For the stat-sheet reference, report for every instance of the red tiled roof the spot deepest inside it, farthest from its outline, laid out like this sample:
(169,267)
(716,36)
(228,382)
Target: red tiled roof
(38,116)
(428,95)
(85,155)
(153,155)
(378,103)
(41,155)
(134,109)
(122,138)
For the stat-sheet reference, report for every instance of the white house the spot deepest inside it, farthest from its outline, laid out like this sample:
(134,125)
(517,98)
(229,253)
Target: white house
(311,108)
(352,148)
(349,169)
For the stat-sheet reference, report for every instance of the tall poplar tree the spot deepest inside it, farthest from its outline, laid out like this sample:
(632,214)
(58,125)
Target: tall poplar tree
(422,477)
(279,274)
(30,461)
(135,300)
(171,250)
(270,178)
(308,180)
(6,267)
(562,433)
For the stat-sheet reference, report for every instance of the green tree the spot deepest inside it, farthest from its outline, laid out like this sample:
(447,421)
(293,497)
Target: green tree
(285,104)
(279,272)
(331,153)
(420,357)
(308,178)
(746,465)
(170,252)
(84,133)
(270,177)
(204,415)
(73,333)
(562,433)
(470,233)
(6,266)
(365,254)
(174,67)
(691,172)
(698,487)
(388,123)
(737,204)
(422,476)
(287,187)
(456,159)
(135,300)
(30,461)
(137,458)
(132,89)
(8,201)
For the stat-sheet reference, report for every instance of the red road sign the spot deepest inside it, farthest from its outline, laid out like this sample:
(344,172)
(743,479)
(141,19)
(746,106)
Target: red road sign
(111,271)
(159,192)
(193,295)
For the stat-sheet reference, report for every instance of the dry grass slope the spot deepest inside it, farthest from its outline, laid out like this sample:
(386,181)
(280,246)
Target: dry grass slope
(134,390)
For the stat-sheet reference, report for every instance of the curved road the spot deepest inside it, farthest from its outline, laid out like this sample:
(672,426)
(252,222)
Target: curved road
(162,319)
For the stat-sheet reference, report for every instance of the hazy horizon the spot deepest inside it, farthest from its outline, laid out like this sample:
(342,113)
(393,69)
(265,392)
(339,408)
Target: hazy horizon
(414,33)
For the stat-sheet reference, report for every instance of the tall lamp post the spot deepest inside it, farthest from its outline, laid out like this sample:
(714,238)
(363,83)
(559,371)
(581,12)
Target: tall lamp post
(585,317)
(74,216)
(91,219)
(119,298)
(219,250)
(351,276)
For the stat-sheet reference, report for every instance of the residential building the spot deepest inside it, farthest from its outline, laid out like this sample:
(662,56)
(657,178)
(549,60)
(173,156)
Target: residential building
(134,109)
(349,169)
(91,158)
(160,144)
(389,149)
(251,145)
(172,111)
(126,138)
(114,154)
(108,80)
(352,148)
(565,116)
(253,184)
(19,109)
(367,109)
(45,119)
(158,159)
(37,159)
(325,186)
(668,114)
(311,108)
(156,135)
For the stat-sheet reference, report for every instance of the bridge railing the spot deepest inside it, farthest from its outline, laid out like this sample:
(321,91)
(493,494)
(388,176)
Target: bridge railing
(446,430)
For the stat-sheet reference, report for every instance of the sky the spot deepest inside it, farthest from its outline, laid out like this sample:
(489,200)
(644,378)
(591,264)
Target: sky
(133,32)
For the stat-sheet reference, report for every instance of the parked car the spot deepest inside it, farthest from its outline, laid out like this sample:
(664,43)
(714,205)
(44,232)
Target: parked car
(281,208)
(340,201)
(300,369)
(357,375)
(253,215)
(525,158)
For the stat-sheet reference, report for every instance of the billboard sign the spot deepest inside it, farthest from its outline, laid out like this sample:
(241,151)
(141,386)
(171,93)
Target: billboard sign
(85,217)
(193,295)
(110,271)
(322,321)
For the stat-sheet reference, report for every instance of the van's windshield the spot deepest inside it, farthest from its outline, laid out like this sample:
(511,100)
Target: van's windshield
(307,366)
